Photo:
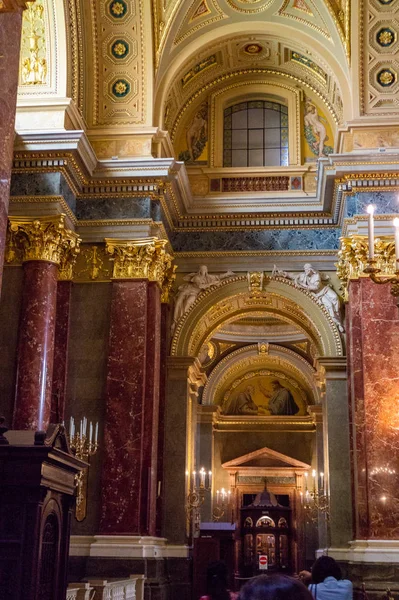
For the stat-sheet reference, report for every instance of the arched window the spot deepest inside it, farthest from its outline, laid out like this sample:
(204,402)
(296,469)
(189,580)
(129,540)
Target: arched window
(255,134)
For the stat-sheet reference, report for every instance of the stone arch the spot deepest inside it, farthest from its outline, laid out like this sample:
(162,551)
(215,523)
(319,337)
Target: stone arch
(219,305)
(251,358)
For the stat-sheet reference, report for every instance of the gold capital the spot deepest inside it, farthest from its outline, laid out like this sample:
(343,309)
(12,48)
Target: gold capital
(140,259)
(353,258)
(46,239)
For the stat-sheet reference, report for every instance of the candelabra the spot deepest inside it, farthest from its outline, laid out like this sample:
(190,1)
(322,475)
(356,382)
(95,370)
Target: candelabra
(83,446)
(372,270)
(223,499)
(315,500)
(201,483)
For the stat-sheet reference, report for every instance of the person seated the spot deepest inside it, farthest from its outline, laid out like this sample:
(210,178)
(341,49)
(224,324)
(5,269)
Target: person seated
(274,587)
(216,583)
(325,581)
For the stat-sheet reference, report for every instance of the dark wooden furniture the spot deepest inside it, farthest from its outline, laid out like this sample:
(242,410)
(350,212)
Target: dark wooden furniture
(265,530)
(37,473)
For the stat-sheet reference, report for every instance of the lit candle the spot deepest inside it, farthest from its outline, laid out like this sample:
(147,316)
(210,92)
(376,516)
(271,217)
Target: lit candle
(91,433)
(322,481)
(210,479)
(370,210)
(396,225)
(306,480)
(96,434)
(301,494)
(217,496)
(194,474)
(202,477)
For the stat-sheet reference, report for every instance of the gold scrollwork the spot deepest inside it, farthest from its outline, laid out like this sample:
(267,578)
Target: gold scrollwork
(34,66)
(353,258)
(45,239)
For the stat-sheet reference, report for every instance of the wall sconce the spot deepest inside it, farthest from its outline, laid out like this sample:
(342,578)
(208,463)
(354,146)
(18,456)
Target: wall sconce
(371,268)
(315,499)
(197,486)
(223,501)
(83,446)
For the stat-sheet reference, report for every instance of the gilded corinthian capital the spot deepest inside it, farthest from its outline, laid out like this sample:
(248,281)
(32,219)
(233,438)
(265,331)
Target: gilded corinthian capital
(45,239)
(141,259)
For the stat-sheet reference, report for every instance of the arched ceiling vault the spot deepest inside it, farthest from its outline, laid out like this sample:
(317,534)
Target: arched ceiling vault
(280,27)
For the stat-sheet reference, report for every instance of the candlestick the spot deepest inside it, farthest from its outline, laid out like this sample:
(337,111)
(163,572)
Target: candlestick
(370,210)
(396,225)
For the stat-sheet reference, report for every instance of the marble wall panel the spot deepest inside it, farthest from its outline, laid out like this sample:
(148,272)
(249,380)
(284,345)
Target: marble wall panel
(269,239)
(42,184)
(113,208)
(10,306)
(384,202)
(87,359)
(10,40)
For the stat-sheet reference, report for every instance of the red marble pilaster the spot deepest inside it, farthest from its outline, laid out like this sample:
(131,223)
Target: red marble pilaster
(36,346)
(373,350)
(10,40)
(131,423)
(165,340)
(61,344)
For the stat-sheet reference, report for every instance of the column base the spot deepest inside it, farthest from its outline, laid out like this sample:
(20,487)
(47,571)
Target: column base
(365,551)
(125,546)
(166,567)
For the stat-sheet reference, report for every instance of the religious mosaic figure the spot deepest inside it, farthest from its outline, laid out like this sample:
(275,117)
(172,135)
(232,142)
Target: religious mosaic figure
(281,401)
(187,292)
(315,131)
(242,403)
(196,135)
(312,280)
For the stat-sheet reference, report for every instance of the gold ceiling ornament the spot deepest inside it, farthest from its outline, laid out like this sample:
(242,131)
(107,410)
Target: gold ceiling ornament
(353,258)
(140,259)
(169,279)
(45,239)
(68,259)
(33,45)
(255,284)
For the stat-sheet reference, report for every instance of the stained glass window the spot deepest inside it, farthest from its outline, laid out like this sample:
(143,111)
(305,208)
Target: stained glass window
(255,134)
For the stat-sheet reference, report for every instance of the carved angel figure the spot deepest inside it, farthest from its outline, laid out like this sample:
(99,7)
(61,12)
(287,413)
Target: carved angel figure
(312,280)
(188,292)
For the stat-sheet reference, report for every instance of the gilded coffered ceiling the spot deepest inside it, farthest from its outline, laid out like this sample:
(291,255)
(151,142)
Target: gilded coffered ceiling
(197,42)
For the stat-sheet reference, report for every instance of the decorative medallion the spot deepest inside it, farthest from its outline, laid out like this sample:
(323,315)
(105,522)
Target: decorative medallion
(385,37)
(250,6)
(386,77)
(118,9)
(120,49)
(120,88)
(202,10)
(253,49)
(385,2)
(301,5)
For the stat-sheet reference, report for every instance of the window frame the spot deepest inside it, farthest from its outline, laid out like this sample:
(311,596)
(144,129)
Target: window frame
(245,92)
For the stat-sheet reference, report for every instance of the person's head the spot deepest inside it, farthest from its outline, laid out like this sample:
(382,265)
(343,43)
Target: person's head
(250,389)
(276,385)
(325,566)
(216,577)
(308,269)
(274,587)
(203,270)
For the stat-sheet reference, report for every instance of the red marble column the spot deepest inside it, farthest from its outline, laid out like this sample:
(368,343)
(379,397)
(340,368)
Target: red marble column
(373,350)
(10,40)
(61,344)
(129,477)
(36,346)
(165,340)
